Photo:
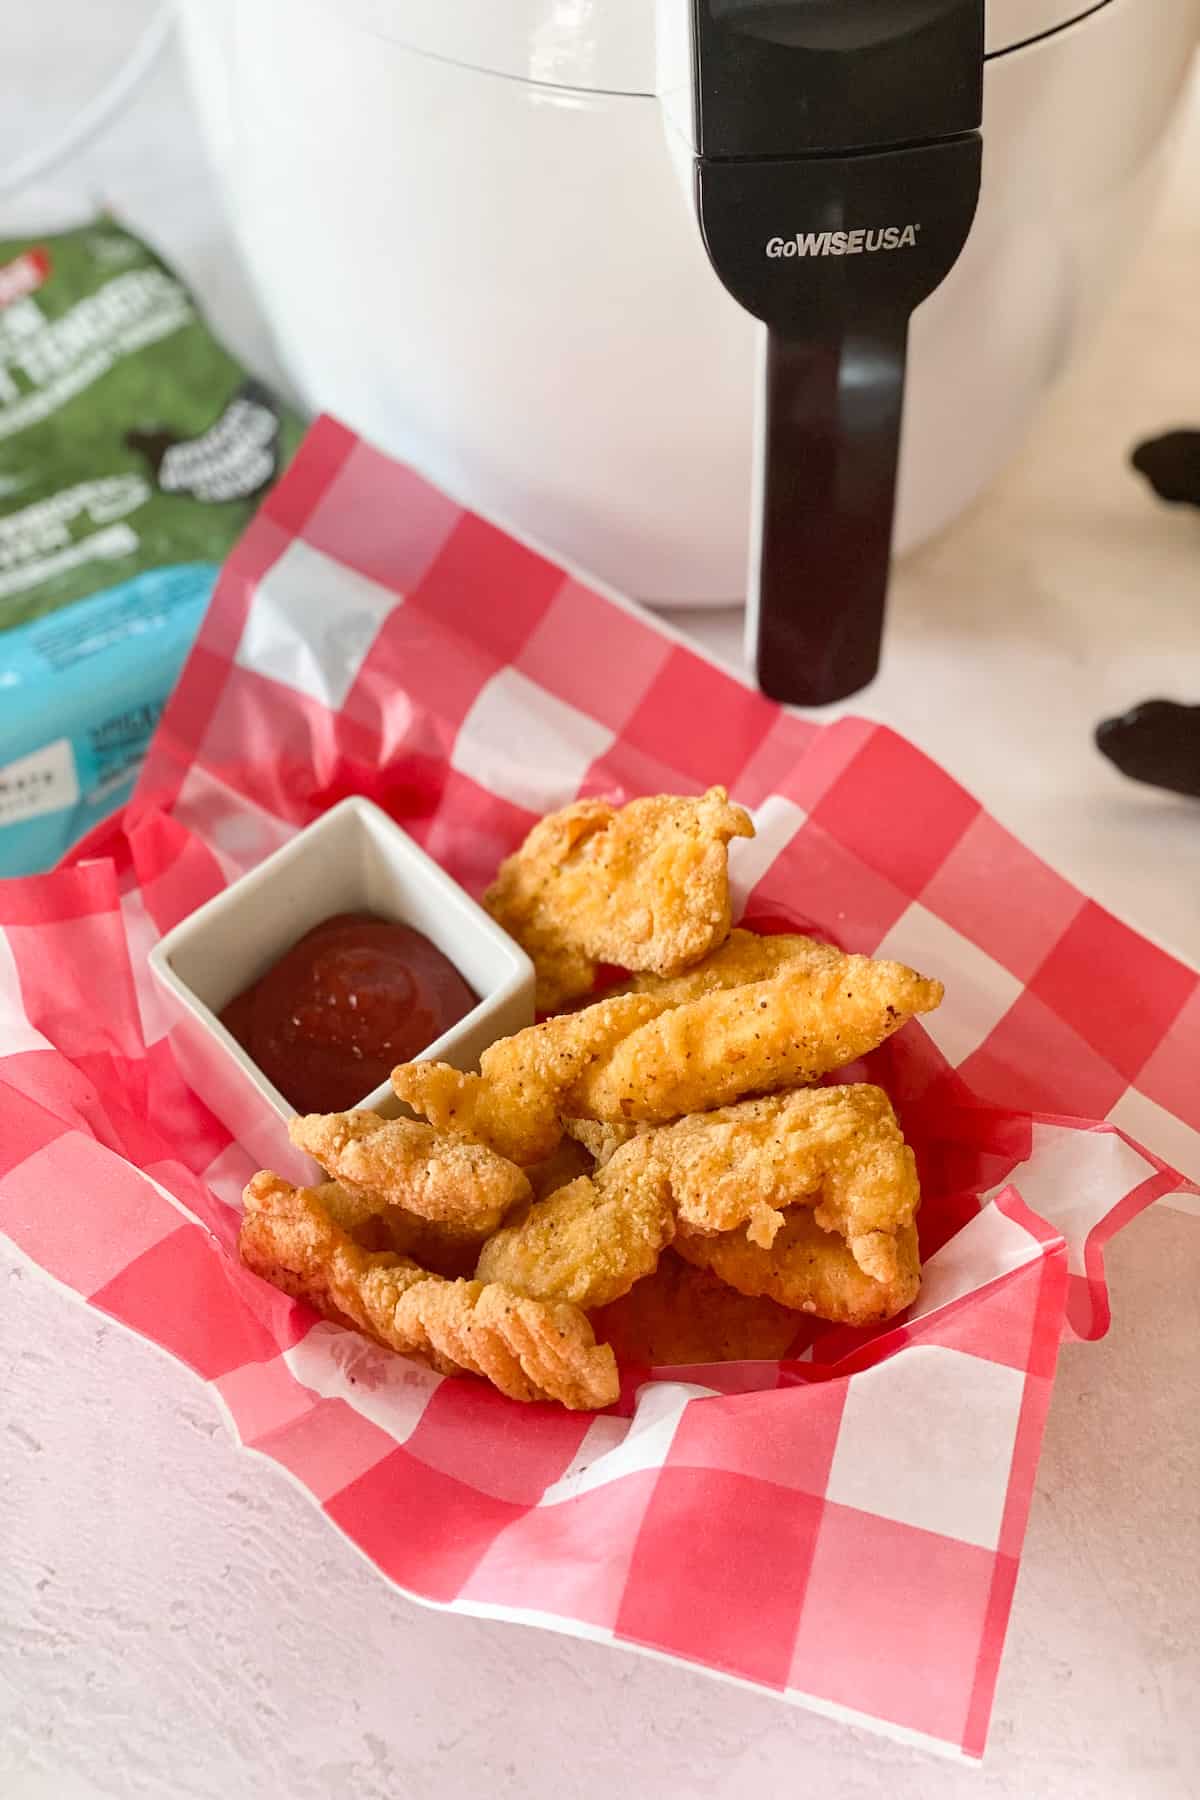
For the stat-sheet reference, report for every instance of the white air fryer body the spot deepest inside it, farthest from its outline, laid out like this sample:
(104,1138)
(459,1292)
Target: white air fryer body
(467,225)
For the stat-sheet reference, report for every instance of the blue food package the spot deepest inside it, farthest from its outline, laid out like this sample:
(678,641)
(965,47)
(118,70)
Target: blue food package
(133,451)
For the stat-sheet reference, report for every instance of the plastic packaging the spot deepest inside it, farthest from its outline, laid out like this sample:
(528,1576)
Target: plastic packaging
(133,450)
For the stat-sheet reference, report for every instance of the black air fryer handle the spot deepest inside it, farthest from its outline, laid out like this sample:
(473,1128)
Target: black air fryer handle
(830,416)
(837,176)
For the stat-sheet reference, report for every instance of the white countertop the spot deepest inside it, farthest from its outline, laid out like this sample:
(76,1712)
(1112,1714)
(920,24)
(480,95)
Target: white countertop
(176,1619)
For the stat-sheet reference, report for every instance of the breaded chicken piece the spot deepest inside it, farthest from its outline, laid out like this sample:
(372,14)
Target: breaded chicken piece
(772,1034)
(679,1054)
(744,957)
(409,1164)
(682,1314)
(603,1139)
(645,887)
(513,1103)
(374,1224)
(805,1268)
(529,1350)
(837,1150)
(589,1242)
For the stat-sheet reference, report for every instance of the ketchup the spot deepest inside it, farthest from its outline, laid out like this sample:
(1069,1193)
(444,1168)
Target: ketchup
(357,995)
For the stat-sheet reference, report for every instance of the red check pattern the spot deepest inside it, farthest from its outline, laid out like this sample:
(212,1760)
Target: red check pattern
(783,1523)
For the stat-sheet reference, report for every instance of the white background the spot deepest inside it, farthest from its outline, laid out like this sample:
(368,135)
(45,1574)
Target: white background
(175,1619)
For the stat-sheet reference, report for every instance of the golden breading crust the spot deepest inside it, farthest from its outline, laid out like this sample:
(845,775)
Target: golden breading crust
(645,887)
(806,1268)
(837,1150)
(513,1103)
(602,1140)
(374,1224)
(409,1164)
(589,1242)
(529,1350)
(656,1055)
(772,1034)
(683,1315)
(745,956)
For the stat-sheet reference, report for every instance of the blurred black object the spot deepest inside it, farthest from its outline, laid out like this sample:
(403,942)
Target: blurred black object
(1157,742)
(1171,464)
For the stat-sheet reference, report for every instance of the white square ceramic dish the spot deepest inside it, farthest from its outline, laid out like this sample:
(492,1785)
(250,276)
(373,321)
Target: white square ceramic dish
(352,859)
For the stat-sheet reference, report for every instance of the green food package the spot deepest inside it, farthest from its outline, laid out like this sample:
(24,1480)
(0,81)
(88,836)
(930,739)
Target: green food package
(133,450)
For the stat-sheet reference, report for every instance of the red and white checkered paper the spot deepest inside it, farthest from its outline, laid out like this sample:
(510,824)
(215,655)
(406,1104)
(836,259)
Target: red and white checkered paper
(842,1528)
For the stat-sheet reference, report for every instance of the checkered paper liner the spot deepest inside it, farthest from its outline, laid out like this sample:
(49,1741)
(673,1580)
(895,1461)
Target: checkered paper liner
(842,1528)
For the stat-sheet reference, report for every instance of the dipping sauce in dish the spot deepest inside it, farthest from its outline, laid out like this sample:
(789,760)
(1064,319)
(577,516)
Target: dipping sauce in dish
(357,995)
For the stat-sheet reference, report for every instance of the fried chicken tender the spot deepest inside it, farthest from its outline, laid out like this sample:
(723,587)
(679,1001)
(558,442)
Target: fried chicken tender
(793,1027)
(838,1151)
(810,1270)
(449,1180)
(529,1350)
(589,1242)
(645,886)
(374,1224)
(603,1139)
(682,1314)
(513,1104)
(674,1047)
(744,957)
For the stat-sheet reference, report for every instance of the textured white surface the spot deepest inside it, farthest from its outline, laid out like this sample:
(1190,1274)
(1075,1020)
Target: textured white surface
(175,1619)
